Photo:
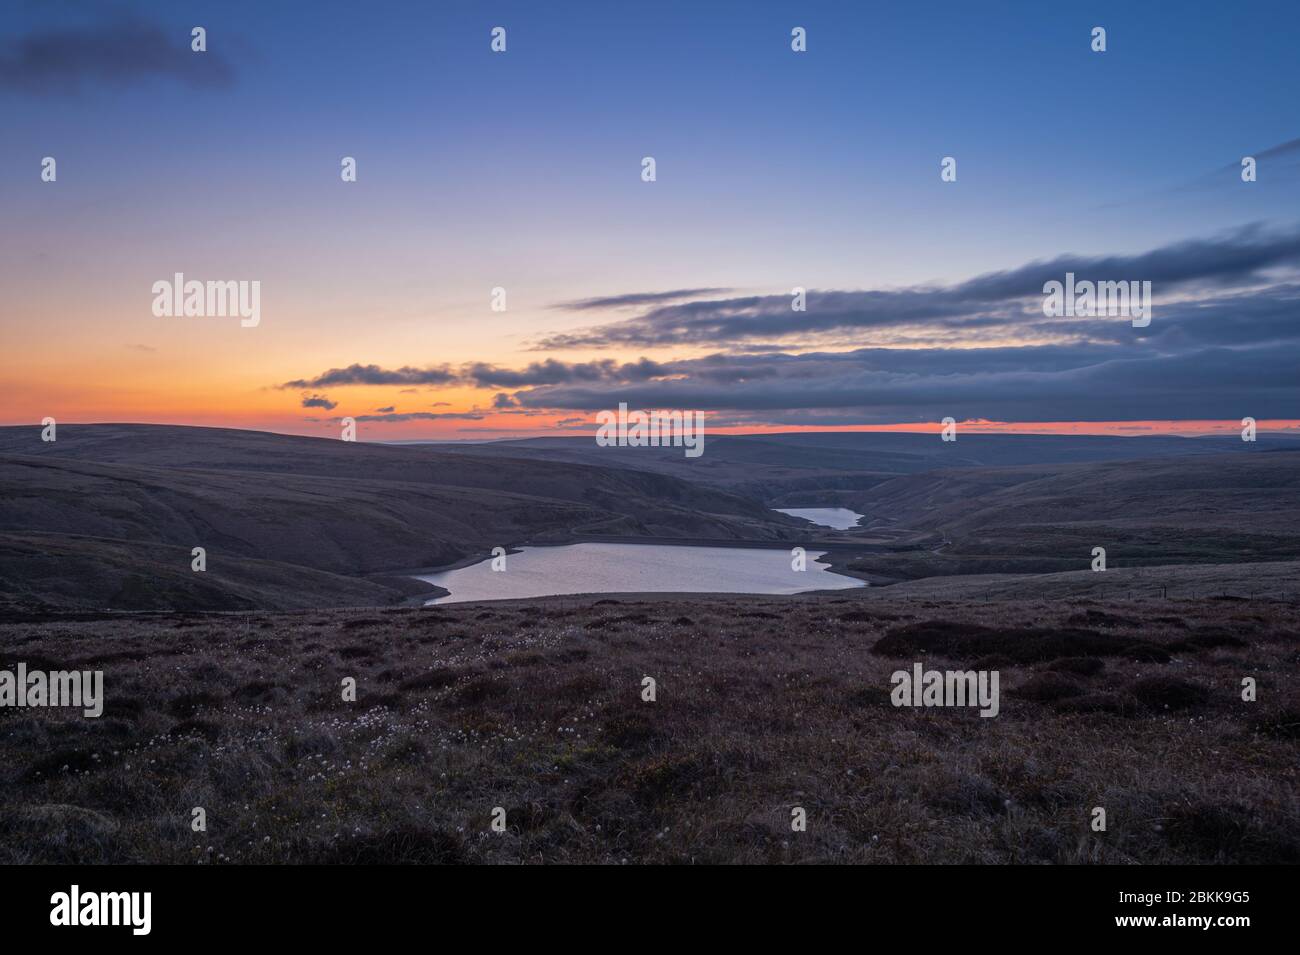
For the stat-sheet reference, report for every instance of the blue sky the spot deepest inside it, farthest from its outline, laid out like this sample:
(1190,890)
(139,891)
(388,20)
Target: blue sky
(521,169)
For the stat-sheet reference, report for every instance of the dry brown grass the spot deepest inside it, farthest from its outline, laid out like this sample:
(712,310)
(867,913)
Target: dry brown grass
(763,704)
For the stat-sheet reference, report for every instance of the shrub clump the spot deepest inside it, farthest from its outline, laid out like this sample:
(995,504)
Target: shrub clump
(1048,688)
(1080,666)
(1169,693)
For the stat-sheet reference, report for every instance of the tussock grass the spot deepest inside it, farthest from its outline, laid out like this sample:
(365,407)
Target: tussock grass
(762,705)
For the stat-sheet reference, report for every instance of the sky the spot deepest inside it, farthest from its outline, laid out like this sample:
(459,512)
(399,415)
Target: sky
(774,169)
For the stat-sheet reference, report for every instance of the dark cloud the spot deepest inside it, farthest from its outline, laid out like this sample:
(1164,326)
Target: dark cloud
(552,372)
(387,410)
(374,375)
(484,375)
(992,305)
(1257,317)
(119,53)
(1223,343)
(318,401)
(549,372)
(1025,384)
(1217,356)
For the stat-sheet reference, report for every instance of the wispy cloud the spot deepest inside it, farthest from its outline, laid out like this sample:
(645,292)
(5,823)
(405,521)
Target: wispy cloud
(636,299)
(1281,151)
(1277,163)
(117,53)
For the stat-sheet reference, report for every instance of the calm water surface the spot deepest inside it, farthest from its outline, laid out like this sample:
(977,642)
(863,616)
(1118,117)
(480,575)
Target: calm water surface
(840,518)
(637,568)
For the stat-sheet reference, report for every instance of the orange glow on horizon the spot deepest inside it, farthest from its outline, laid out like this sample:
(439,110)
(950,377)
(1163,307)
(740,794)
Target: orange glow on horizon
(232,391)
(498,426)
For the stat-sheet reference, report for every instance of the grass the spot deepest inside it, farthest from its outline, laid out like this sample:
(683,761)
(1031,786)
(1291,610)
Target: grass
(762,705)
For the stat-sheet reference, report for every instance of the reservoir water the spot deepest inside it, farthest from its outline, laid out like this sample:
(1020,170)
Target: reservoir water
(840,518)
(637,568)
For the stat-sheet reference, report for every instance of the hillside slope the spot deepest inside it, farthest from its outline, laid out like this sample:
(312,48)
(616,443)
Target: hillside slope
(1221,508)
(834,468)
(306,504)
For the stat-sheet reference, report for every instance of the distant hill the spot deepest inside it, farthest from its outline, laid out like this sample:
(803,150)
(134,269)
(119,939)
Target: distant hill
(103,493)
(107,515)
(1206,509)
(827,468)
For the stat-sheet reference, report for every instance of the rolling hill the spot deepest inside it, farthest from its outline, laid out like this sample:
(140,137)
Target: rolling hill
(103,493)
(833,468)
(1207,509)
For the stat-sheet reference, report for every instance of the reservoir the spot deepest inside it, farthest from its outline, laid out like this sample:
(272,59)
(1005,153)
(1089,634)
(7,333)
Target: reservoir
(637,568)
(840,518)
